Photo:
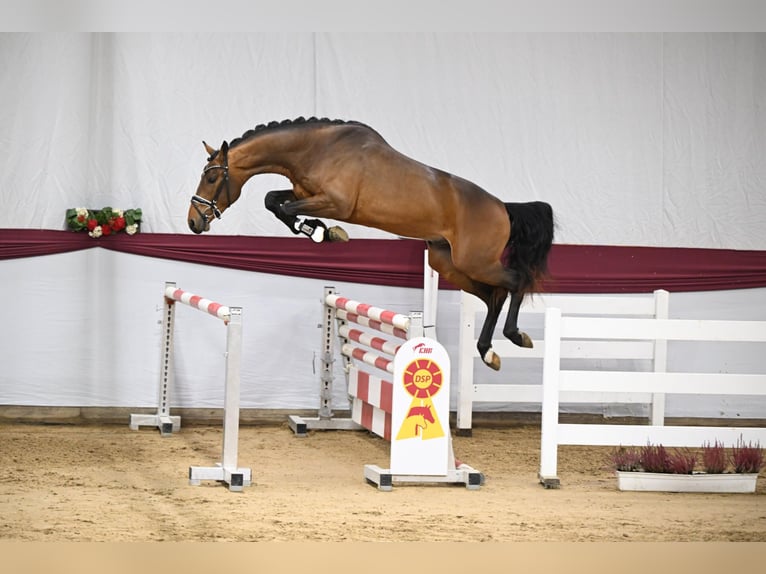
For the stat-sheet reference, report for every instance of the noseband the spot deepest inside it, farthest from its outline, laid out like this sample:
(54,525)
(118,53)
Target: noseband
(211,203)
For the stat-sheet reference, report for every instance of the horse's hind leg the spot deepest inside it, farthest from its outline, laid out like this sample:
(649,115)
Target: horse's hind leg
(439,257)
(484,344)
(511,328)
(276,201)
(494,273)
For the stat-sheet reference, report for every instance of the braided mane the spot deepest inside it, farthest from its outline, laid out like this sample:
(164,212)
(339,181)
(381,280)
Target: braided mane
(299,121)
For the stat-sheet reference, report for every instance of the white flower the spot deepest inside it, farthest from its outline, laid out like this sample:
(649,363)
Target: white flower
(81,211)
(96,231)
(117,212)
(131,229)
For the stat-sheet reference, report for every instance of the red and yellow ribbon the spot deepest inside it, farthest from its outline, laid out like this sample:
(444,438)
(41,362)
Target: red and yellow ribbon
(422,379)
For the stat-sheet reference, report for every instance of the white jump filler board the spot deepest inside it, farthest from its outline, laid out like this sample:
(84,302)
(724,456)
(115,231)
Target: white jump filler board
(420,434)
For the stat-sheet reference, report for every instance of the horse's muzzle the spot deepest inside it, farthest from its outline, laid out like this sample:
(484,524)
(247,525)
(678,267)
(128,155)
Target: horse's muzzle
(195,227)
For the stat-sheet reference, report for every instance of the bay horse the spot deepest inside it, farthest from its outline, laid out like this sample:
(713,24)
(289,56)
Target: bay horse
(345,171)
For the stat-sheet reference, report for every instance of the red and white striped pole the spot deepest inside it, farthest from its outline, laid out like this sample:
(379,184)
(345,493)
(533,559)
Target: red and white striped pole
(198,302)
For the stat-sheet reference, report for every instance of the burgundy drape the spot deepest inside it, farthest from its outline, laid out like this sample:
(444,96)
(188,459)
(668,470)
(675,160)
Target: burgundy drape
(573,268)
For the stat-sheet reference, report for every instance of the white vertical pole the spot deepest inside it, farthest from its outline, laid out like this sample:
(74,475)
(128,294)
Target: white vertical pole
(465,360)
(231,392)
(550,405)
(661,304)
(417,326)
(430,298)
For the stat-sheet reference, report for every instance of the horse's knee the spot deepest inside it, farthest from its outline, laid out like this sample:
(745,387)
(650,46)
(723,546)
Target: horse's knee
(271,203)
(274,200)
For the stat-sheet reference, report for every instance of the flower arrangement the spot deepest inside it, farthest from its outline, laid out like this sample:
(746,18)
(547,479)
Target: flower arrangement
(745,458)
(106,221)
(657,469)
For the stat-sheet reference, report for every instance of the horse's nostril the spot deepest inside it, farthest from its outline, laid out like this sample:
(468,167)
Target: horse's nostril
(192,226)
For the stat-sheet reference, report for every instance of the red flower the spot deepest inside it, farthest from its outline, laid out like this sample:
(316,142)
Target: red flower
(92,224)
(118,223)
(81,218)
(105,229)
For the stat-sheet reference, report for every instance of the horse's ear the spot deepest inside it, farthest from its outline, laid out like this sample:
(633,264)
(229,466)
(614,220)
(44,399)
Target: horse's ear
(210,151)
(225,147)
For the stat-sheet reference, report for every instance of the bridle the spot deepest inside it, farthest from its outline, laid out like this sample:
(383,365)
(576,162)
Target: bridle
(211,203)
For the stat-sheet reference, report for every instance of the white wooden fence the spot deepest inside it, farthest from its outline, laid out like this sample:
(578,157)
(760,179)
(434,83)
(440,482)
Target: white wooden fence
(472,312)
(559,330)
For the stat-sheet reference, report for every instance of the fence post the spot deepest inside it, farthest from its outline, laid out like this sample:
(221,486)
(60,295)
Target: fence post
(430,298)
(162,419)
(550,403)
(661,304)
(465,390)
(417,325)
(325,419)
(328,350)
(231,391)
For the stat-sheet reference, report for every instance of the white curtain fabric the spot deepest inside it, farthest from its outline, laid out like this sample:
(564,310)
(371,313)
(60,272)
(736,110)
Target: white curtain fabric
(635,139)
(84,329)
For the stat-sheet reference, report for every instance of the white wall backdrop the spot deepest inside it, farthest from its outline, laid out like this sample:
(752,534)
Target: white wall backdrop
(635,139)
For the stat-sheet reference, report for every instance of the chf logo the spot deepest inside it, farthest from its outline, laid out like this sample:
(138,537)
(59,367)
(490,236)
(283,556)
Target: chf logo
(422,349)
(422,380)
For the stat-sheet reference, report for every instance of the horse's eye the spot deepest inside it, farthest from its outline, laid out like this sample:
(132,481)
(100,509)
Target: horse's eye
(211,177)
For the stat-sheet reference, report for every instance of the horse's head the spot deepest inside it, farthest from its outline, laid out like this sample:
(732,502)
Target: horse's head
(216,190)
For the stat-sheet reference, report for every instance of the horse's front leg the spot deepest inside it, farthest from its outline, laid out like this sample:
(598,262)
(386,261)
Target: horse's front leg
(511,328)
(276,201)
(317,205)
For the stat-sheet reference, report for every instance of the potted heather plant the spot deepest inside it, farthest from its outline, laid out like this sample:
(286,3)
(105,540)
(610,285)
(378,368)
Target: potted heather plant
(714,458)
(747,458)
(655,468)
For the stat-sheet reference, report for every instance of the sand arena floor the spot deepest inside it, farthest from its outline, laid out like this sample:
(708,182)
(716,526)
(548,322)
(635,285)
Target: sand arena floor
(108,483)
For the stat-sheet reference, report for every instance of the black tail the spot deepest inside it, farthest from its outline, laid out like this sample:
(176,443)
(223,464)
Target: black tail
(530,241)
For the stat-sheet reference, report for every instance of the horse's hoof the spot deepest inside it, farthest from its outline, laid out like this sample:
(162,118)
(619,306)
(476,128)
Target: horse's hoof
(336,234)
(526,341)
(521,339)
(492,360)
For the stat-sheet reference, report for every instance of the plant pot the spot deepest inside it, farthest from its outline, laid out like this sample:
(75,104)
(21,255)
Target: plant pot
(699,482)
